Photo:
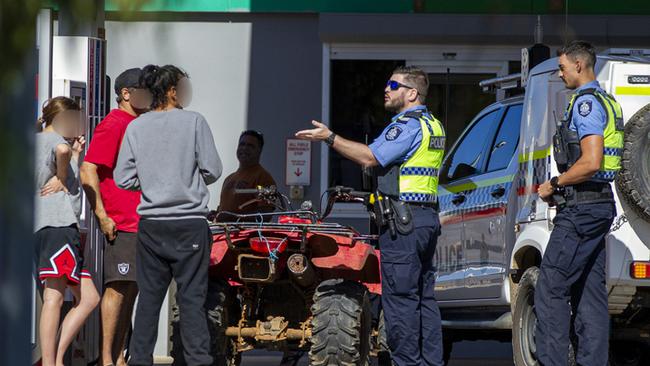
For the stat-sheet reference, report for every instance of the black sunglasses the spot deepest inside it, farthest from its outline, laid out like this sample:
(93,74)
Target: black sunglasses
(394,85)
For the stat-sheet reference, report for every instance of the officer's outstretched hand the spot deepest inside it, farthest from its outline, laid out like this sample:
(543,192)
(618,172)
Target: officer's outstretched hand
(321,132)
(545,191)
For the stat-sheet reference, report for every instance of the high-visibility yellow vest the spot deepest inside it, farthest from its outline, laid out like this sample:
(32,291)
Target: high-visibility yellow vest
(417,177)
(613,134)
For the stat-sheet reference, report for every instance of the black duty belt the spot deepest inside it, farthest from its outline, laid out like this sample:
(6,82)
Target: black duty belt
(433,205)
(588,192)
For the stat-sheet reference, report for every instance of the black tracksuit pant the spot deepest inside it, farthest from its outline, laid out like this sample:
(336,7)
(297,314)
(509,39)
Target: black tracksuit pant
(167,249)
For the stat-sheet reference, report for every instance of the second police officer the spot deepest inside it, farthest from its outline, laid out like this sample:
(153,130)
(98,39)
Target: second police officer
(571,289)
(408,155)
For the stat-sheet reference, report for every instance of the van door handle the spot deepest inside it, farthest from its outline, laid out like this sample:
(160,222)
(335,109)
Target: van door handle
(458,199)
(498,192)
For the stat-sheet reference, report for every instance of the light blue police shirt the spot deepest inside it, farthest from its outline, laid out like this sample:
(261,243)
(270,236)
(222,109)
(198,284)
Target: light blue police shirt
(588,116)
(399,140)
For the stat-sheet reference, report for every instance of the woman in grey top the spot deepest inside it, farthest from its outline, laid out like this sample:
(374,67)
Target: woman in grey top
(169,155)
(58,246)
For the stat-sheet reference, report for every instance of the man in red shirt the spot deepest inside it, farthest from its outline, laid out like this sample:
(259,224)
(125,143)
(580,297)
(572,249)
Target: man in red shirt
(115,210)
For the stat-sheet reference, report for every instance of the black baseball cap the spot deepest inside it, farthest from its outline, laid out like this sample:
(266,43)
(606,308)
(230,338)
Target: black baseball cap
(128,79)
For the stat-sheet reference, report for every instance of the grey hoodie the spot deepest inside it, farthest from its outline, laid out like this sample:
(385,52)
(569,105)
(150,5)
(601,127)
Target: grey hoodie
(171,157)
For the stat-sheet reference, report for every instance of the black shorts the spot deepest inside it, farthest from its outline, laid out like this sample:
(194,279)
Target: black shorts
(59,253)
(119,258)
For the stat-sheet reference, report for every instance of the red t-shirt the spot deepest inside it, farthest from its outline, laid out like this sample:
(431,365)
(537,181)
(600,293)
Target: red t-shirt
(120,204)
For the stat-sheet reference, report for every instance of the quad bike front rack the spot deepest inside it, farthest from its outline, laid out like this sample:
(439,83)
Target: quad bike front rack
(319,228)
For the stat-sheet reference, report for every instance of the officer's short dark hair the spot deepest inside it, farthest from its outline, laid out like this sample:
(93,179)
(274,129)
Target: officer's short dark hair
(415,77)
(581,49)
(257,134)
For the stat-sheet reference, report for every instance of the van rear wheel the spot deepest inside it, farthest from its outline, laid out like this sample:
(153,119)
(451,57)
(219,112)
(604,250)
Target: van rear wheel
(524,320)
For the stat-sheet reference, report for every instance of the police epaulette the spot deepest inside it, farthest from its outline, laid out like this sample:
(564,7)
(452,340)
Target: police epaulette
(587,91)
(416,114)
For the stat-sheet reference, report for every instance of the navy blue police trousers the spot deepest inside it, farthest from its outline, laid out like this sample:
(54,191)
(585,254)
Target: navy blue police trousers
(408,276)
(571,293)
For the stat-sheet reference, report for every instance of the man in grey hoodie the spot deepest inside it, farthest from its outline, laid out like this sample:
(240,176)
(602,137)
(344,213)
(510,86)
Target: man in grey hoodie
(169,154)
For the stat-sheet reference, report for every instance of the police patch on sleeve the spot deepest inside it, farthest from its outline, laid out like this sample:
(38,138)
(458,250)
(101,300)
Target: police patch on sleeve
(393,133)
(584,108)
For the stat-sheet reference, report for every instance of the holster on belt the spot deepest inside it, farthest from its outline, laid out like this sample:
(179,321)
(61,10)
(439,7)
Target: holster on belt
(403,216)
(377,209)
(393,213)
(558,199)
(587,192)
(383,213)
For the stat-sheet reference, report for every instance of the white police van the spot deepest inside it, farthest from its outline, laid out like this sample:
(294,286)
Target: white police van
(495,228)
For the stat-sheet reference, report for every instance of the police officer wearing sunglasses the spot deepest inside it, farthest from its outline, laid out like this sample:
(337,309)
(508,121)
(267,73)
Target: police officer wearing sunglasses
(407,156)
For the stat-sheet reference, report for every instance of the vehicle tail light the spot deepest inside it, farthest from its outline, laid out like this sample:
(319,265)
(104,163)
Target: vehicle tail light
(640,270)
(264,245)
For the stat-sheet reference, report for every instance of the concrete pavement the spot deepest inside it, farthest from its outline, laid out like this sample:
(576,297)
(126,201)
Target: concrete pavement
(481,353)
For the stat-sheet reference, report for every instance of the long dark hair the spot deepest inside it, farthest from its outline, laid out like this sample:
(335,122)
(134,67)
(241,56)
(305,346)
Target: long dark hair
(159,79)
(52,108)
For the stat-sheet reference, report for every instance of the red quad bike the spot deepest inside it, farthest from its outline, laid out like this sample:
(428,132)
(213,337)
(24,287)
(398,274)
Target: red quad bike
(289,281)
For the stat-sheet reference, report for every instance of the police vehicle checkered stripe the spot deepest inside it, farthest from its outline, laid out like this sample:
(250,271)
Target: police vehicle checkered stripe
(417,197)
(613,151)
(483,196)
(540,173)
(475,200)
(539,170)
(419,171)
(445,203)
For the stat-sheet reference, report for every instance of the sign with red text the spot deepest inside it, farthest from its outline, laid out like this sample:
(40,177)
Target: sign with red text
(298,164)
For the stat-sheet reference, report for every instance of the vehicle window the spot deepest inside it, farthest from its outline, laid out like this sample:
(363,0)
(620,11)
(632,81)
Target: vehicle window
(467,156)
(505,144)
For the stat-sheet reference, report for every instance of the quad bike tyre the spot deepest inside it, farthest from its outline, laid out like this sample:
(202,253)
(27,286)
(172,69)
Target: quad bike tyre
(219,305)
(524,320)
(341,324)
(632,180)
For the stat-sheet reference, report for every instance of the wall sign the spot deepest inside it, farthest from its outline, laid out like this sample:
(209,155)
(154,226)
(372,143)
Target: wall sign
(298,164)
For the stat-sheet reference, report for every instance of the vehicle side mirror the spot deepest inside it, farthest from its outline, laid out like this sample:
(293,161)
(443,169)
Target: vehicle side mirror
(463,170)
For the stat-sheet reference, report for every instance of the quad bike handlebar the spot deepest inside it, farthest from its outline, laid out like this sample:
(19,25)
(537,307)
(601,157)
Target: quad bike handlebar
(347,193)
(342,194)
(259,190)
(269,195)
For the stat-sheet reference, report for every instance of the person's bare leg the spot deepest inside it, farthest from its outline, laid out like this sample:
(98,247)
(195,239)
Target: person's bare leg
(50,314)
(110,308)
(130,293)
(87,298)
